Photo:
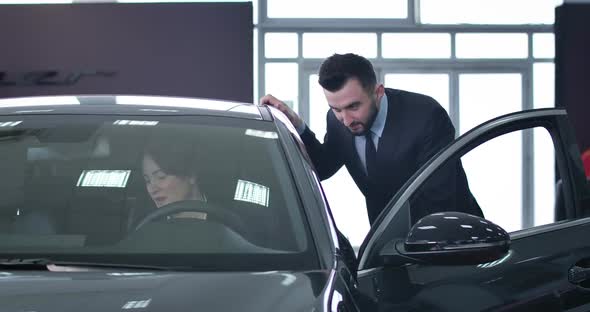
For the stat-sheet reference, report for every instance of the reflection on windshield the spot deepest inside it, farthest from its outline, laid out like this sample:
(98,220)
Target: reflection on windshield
(96,186)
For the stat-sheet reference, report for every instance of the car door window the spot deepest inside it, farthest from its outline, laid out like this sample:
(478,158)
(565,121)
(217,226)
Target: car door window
(541,198)
(513,189)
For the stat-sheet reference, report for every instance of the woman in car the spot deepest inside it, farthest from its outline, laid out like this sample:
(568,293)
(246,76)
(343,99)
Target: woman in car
(170,165)
(170,175)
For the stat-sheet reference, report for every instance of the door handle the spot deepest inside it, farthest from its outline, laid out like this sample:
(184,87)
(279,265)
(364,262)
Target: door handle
(578,274)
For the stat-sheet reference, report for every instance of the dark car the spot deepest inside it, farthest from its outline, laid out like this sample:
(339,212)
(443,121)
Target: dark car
(171,204)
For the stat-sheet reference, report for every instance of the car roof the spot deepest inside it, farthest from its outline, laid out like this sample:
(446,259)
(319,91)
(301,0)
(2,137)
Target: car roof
(127,105)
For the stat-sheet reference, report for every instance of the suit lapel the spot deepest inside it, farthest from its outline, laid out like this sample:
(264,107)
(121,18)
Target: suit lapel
(391,133)
(353,154)
(354,165)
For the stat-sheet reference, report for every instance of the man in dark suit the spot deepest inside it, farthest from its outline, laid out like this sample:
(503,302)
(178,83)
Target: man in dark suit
(382,136)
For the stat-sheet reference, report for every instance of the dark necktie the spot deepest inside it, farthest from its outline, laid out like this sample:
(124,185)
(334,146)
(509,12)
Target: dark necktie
(370,155)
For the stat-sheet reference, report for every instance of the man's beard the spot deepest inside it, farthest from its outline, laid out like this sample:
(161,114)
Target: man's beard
(372,116)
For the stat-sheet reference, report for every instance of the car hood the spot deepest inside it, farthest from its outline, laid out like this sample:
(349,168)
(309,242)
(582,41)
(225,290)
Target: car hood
(148,291)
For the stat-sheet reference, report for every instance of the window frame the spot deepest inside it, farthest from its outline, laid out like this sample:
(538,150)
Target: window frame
(412,24)
(395,222)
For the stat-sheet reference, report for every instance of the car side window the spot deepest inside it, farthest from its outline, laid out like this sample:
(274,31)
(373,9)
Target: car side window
(513,187)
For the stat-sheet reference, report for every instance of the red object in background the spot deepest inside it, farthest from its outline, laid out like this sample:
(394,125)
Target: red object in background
(586,161)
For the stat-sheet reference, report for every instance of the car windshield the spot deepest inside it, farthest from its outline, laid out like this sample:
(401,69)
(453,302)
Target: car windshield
(197,192)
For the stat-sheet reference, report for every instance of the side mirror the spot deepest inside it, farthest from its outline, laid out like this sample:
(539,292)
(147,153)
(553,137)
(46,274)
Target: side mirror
(454,238)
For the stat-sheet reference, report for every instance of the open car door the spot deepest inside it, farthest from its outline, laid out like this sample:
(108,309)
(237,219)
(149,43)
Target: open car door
(532,250)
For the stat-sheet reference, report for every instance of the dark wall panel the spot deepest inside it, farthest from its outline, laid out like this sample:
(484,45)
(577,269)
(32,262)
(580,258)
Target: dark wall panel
(572,67)
(180,49)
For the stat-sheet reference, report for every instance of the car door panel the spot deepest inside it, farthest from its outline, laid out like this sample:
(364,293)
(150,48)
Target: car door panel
(533,275)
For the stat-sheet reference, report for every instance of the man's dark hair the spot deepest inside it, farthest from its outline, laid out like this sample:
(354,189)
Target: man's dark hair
(337,69)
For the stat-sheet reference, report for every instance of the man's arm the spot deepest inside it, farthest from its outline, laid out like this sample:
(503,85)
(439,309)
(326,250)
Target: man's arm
(325,157)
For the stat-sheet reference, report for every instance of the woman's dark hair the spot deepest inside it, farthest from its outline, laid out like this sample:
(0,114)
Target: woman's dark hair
(173,152)
(337,69)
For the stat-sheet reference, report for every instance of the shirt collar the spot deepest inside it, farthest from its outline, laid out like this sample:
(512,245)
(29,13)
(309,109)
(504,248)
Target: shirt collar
(379,123)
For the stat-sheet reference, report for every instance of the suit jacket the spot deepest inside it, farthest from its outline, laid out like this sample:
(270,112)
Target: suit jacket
(416,128)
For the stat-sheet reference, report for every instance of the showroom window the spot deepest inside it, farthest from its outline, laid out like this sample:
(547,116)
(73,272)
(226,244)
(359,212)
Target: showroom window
(337,9)
(460,52)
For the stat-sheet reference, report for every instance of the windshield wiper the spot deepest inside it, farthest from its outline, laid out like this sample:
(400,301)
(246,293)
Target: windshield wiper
(43,263)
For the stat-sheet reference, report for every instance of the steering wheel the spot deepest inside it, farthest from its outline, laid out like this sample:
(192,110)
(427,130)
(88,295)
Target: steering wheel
(215,214)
